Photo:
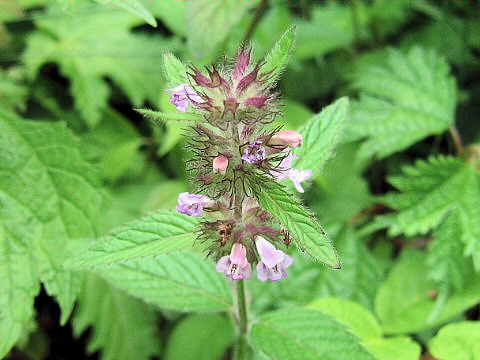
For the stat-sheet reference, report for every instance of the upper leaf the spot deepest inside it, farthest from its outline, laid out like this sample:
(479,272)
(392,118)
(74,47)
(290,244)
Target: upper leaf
(175,70)
(300,222)
(320,136)
(182,281)
(277,59)
(408,98)
(123,327)
(159,233)
(48,195)
(307,334)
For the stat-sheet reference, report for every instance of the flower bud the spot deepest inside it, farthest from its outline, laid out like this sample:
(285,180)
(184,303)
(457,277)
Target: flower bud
(288,138)
(220,164)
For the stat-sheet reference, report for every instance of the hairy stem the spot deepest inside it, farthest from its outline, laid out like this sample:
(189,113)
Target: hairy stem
(241,351)
(238,196)
(457,140)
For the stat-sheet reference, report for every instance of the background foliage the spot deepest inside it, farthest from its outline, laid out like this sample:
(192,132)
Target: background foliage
(82,173)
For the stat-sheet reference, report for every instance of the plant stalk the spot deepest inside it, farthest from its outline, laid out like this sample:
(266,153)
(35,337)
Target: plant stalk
(241,352)
(457,140)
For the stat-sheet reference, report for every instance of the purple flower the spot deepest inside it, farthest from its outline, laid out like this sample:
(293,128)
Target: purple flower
(192,204)
(273,261)
(254,153)
(235,266)
(182,96)
(285,171)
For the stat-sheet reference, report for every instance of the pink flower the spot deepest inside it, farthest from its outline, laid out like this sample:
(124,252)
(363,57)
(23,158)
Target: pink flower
(220,164)
(284,171)
(287,138)
(192,204)
(235,266)
(273,261)
(182,96)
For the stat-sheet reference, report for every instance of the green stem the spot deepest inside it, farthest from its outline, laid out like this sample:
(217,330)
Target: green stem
(242,350)
(457,140)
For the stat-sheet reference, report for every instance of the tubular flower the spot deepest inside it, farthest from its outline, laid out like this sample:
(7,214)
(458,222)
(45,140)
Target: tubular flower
(273,261)
(220,164)
(235,266)
(285,171)
(182,96)
(254,153)
(192,204)
(289,138)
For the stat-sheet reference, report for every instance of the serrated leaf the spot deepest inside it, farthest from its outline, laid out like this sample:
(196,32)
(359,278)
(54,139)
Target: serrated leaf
(447,263)
(277,58)
(162,117)
(156,234)
(209,24)
(305,334)
(123,328)
(216,335)
(48,195)
(458,341)
(175,70)
(307,233)
(406,299)
(408,98)
(320,136)
(129,59)
(432,189)
(135,7)
(364,325)
(182,281)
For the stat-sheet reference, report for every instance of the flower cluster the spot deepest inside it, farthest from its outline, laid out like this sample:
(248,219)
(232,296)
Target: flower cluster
(237,103)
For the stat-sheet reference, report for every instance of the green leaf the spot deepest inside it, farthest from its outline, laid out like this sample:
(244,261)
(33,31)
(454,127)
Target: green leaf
(208,336)
(277,59)
(48,196)
(12,94)
(458,341)
(209,24)
(406,299)
(159,233)
(123,328)
(162,117)
(320,136)
(408,98)
(361,273)
(181,281)
(307,233)
(175,70)
(298,333)
(364,325)
(135,7)
(432,189)
(129,59)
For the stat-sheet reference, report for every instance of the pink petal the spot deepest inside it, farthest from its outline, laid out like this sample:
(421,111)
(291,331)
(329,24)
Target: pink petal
(238,255)
(269,254)
(222,264)
(262,271)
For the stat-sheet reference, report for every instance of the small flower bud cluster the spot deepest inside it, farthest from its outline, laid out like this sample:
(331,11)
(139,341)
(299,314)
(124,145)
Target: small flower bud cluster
(237,103)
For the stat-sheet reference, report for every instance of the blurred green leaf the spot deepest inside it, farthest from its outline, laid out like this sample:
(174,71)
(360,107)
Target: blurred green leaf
(304,333)
(175,70)
(457,341)
(429,191)
(123,327)
(135,7)
(405,300)
(181,281)
(90,45)
(306,232)
(159,233)
(320,136)
(362,324)
(208,336)
(48,196)
(12,94)
(209,24)
(173,14)
(408,98)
